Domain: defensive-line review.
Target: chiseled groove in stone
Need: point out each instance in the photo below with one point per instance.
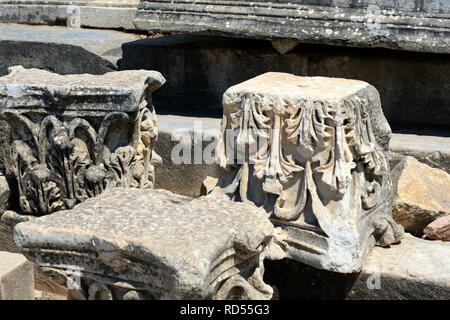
(311, 228)
(147, 275)
(229, 264)
(318, 240)
(244, 268)
(215, 278)
(303, 246)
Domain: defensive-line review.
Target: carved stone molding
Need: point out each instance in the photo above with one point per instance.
(130, 243)
(396, 24)
(74, 136)
(313, 152)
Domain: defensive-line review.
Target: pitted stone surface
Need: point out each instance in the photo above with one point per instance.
(191, 240)
(421, 194)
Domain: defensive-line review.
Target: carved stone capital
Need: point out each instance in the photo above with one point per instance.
(313, 152)
(74, 136)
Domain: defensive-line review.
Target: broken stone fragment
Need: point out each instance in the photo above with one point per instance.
(130, 243)
(421, 194)
(387, 24)
(439, 229)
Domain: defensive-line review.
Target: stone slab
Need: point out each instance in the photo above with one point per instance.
(415, 269)
(393, 24)
(16, 277)
(105, 45)
(398, 25)
(413, 86)
(431, 150)
(161, 244)
(201, 135)
(34, 88)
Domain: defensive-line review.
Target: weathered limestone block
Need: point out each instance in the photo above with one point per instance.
(439, 229)
(313, 152)
(414, 269)
(406, 24)
(75, 135)
(16, 277)
(421, 194)
(130, 243)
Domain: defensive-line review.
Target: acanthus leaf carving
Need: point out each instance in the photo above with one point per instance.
(323, 171)
(64, 162)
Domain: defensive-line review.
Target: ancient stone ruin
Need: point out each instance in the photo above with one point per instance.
(321, 172)
(74, 136)
(224, 150)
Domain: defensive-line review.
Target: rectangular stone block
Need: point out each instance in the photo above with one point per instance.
(394, 24)
(16, 277)
(413, 86)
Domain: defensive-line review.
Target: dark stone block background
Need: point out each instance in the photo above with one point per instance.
(414, 87)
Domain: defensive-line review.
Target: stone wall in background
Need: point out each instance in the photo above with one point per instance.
(396, 24)
(73, 136)
(414, 87)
